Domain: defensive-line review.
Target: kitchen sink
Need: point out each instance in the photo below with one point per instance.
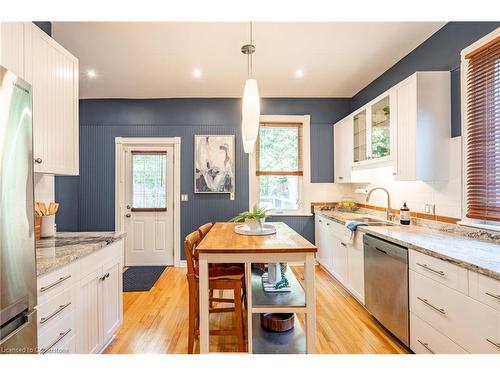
(372, 221)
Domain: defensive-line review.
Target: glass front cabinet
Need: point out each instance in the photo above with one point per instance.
(373, 132)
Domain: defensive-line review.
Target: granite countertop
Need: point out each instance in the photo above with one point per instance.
(477, 255)
(67, 247)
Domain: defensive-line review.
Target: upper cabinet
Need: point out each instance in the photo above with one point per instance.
(380, 128)
(12, 47)
(343, 145)
(424, 127)
(360, 136)
(53, 73)
(408, 127)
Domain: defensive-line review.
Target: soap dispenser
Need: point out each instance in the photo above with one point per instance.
(404, 215)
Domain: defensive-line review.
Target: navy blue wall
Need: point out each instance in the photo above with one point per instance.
(439, 52)
(89, 206)
(46, 26)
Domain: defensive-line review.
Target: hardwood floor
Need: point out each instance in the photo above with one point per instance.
(157, 321)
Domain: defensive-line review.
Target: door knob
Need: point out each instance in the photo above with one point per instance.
(128, 207)
(128, 215)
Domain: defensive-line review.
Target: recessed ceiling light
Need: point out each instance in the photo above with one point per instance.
(91, 73)
(197, 73)
(299, 73)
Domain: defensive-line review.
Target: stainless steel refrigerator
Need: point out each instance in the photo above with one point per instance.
(17, 238)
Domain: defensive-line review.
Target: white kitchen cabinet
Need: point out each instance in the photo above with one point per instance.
(343, 260)
(12, 47)
(448, 312)
(53, 74)
(423, 127)
(81, 304)
(100, 299)
(339, 260)
(89, 312)
(112, 312)
(342, 139)
(355, 268)
(324, 243)
(407, 127)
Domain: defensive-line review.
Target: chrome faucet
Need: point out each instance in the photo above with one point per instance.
(388, 211)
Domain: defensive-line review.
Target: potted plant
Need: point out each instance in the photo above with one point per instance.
(254, 219)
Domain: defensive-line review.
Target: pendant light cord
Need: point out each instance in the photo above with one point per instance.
(250, 61)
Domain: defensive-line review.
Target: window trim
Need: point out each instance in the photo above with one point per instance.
(305, 184)
(481, 43)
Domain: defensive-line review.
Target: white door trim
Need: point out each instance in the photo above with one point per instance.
(120, 186)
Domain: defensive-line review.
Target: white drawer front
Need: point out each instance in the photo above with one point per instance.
(472, 325)
(426, 340)
(54, 308)
(60, 330)
(484, 289)
(443, 272)
(54, 283)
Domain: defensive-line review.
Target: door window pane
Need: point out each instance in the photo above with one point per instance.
(279, 192)
(381, 130)
(149, 186)
(359, 134)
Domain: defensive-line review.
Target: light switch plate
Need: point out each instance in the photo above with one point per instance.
(184, 197)
(430, 209)
(231, 196)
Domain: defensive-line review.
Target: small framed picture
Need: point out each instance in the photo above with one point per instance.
(214, 164)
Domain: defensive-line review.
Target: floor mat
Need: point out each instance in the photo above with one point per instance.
(141, 278)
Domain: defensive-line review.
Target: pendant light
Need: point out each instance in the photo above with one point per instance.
(250, 113)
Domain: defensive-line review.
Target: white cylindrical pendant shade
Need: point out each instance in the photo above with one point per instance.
(250, 115)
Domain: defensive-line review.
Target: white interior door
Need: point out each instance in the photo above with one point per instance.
(149, 205)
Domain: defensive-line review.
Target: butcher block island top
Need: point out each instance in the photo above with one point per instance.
(223, 239)
(223, 245)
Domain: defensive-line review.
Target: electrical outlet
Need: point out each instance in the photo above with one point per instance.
(184, 197)
(430, 209)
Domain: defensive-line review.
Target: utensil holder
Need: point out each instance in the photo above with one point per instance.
(48, 226)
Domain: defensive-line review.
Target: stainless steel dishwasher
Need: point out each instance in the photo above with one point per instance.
(386, 285)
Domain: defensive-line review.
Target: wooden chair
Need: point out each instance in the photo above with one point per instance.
(220, 277)
(204, 229)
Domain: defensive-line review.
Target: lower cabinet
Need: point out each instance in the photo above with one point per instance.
(448, 319)
(84, 313)
(342, 259)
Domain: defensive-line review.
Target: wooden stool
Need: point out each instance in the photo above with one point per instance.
(220, 277)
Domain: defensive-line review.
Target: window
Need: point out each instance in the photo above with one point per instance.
(279, 165)
(482, 130)
(149, 185)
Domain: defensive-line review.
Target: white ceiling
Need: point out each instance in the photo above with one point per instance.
(157, 59)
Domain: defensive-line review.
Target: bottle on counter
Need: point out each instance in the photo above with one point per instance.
(404, 215)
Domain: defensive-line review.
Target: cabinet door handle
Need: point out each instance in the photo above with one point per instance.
(426, 346)
(497, 296)
(341, 178)
(104, 277)
(328, 224)
(423, 265)
(38, 161)
(45, 319)
(320, 220)
(441, 311)
(55, 342)
(493, 343)
(55, 283)
(343, 244)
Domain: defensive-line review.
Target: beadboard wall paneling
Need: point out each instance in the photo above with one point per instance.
(87, 201)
